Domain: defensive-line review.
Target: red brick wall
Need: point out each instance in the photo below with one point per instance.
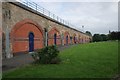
(20, 36)
(51, 37)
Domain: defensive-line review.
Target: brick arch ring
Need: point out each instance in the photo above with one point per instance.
(74, 34)
(66, 32)
(54, 28)
(23, 22)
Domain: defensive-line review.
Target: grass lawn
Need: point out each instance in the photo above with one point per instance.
(93, 60)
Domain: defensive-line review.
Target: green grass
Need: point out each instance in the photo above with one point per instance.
(93, 60)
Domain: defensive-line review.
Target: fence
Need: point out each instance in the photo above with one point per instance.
(44, 11)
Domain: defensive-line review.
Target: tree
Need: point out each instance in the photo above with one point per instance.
(104, 37)
(97, 38)
(89, 33)
(114, 36)
(118, 35)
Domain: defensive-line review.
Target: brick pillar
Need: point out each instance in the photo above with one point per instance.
(8, 46)
(0, 40)
(46, 37)
(62, 39)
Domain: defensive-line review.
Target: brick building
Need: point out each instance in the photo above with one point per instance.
(24, 30)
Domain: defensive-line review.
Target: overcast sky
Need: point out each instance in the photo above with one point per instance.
(96, 16)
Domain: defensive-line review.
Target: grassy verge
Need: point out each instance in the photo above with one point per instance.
(93, 60)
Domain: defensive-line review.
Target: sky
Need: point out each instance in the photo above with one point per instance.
(97, 16)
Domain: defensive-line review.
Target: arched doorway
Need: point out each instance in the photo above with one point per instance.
(67, 39)
(74, 39)
(3, 45)
(31, 42)
(55, 39)
(26, 35)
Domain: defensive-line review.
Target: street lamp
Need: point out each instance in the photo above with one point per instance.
(83, 28)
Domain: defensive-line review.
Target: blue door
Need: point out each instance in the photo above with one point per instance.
(74, 40)
(55, 39)
(31, 42)
(66, 39)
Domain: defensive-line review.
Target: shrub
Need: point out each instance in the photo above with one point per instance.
(47, 55)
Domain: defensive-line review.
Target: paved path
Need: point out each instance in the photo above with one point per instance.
(16, 61)
(22, 60)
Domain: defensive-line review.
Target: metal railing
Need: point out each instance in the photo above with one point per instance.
(44, 11)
